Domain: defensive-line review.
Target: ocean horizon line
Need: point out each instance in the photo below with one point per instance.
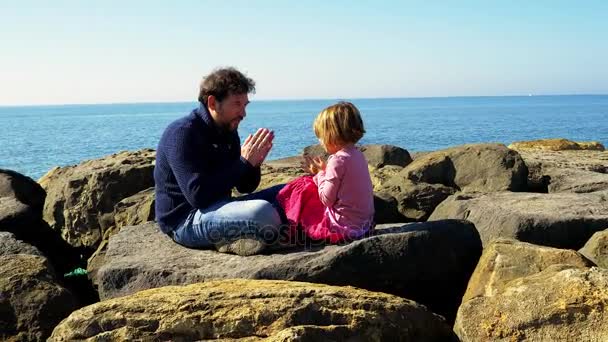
(303, 99)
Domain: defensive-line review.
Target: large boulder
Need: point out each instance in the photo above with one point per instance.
(21, 203)
(81, 199)
(315, 151)
(564, 220)
(130, 211)
(572, 180)
(561, 303)
(578, 171)
(380, 176)
(426, 262)
(474, 167)
(415, 201)
(254, 310)
(558, 144)
(9, 244)
(280, 171)
(595, 161)
(386, 209)
(504, 260)
(31, 301)
(377, 156)
(135, 209)
(432, 177)
(596, 249)
(384, 155)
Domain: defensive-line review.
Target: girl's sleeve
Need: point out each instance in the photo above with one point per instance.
(329, 181)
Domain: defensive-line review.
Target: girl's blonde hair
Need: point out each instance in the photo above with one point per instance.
(339, 124)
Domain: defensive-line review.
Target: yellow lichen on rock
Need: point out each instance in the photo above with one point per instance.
(556, 145)
(253, 310)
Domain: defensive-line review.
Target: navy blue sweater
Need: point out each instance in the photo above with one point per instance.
(197, 165)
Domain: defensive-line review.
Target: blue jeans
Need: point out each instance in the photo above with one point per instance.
(253, 215)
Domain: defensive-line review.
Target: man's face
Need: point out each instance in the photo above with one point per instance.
(231, 111)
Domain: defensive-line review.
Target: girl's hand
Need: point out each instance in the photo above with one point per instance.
(319, 164)
(312, 165)
(307, 165)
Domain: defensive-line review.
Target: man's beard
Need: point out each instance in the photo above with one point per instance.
(230, 126)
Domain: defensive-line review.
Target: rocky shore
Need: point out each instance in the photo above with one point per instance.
(479, 242)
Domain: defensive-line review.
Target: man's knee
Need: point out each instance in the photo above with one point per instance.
(264, 213)
(268, 221)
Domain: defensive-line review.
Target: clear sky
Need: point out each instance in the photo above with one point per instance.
(55, 52)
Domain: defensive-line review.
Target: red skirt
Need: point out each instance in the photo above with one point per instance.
(304, 210)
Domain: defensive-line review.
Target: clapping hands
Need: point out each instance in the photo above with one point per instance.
(256, 147)
(313, 164)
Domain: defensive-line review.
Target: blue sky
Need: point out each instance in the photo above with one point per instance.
(56, 52)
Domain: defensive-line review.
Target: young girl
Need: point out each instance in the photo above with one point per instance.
(337, 203)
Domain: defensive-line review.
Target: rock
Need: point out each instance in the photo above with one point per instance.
(474, 167)
(383, 155)
(21, 203)
(381, 176)
(10, 245)
(415, 201)
(561, 303)
(31, 301)
(419, 154)
(596, 249)
(578, 181)
(80, 199)
(567, 171)
(132, 210)
(315, 151)
(537, 180)
(386, 209)
(591, 145)
(280, 171)
(594, 161)
(135, 209)
(377, 155)
(255, 310)
(432, 177)
(504, 260)
(426, 262)
(556, 145)
(562, 220)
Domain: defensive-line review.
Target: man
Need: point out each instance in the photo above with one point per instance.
(199, 161)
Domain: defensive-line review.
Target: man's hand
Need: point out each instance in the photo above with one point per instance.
(256, 147)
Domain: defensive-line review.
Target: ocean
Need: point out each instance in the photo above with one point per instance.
(34, 139)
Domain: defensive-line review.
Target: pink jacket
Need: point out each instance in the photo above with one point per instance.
(346, 191)
(336, 204)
